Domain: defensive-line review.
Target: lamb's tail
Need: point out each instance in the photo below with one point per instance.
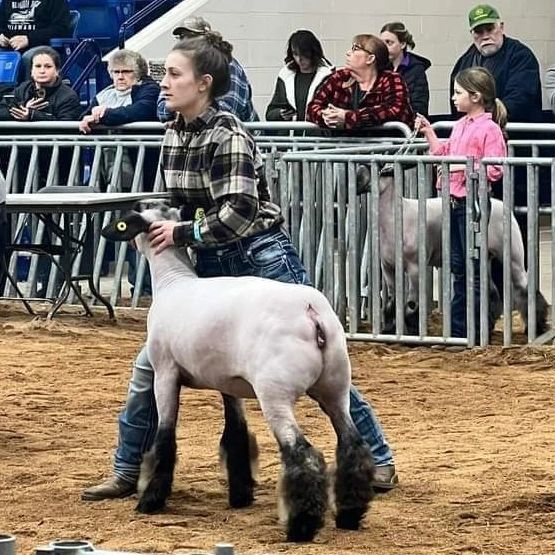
(321, 338)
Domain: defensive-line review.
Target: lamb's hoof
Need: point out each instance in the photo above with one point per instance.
(349, 519)
(241, 499)
(303, 527)
(149, 505)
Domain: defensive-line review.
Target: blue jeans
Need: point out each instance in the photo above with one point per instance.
(458, 269)
(270, 255)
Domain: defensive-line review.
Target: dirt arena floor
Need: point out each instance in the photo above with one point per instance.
(473, 433)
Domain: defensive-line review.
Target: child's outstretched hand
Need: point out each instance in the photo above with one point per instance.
(422, 124)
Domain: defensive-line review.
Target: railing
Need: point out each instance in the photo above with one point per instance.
(264, 126)
(138, 17)
(336, 231)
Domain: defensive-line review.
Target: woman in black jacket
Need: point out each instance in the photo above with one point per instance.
(410, 65)
(44, 97)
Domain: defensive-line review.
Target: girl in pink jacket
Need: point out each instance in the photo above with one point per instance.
(478, 134)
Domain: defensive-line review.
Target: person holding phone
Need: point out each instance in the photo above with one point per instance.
(305, 68)
(43, 97)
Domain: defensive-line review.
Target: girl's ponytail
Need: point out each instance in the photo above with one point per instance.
(499, 113)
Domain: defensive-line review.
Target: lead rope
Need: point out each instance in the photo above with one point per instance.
(403, 149)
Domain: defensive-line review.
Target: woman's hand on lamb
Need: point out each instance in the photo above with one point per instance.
(160, 235)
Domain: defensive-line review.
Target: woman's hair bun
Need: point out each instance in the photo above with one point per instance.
(216, 40)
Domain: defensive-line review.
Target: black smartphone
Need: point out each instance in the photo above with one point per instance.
(9, 99)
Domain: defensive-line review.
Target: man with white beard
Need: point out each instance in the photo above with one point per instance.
(513, 65)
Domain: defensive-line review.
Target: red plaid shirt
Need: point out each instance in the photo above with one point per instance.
(387, 101)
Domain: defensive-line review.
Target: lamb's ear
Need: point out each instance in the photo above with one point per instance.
(125, 228)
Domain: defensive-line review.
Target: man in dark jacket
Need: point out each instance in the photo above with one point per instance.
(513, 65)
(26, 24)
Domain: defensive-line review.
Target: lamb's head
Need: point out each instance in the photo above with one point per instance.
(135, 223)
(364, 178)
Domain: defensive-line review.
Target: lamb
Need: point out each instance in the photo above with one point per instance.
(249, 337)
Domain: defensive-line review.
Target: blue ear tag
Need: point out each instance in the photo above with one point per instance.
(121, 226)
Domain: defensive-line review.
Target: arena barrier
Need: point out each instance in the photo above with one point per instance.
(336, 230)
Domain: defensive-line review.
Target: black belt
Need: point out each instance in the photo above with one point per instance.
(457, 201)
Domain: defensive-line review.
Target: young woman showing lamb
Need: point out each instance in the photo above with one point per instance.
(214, 168)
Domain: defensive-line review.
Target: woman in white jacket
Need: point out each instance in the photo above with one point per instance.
(305, 69)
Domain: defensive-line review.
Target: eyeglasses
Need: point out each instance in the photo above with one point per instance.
(356, 47)
(121, 71)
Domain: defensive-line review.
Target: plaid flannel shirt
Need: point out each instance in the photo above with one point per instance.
(213, 164)
(237, 100)
(387, 101)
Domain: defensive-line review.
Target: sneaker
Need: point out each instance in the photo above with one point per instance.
(385, 478)
(113, 488)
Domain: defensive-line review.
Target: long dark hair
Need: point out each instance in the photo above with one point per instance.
(306, 44)
(210, 54)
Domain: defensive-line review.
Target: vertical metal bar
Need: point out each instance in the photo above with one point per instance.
(446, 250)
(376, 281)
(531, 223)
(399, 262)
(284, 193)
(422, 251)
(508, 207)
(328, 208)
(471, 250)
(484, 256)
(341, 193)
(354, 260)
(295, 188)
(308, 221)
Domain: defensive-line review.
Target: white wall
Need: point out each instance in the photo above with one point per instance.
(259, 30)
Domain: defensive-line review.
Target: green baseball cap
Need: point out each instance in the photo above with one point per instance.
(482, 14)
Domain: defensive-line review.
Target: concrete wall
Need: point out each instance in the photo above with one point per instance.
(259, 30)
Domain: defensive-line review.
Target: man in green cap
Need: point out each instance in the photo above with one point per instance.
(513, 65)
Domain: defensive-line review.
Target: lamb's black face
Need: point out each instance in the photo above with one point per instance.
(139, 220)
(126, 228)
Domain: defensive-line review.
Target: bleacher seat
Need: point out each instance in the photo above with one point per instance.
(9, 67)
(101, 19)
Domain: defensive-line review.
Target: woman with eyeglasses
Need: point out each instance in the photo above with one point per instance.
(305, 68)
(410, 65)
(362, 94)
(131, 97)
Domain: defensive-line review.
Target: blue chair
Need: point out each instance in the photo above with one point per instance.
(66, 45)
(9, 67)
(101, 20)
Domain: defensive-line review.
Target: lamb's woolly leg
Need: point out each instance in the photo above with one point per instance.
(239, 453)
(354, 471)
(303, 485)
(159, 463)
